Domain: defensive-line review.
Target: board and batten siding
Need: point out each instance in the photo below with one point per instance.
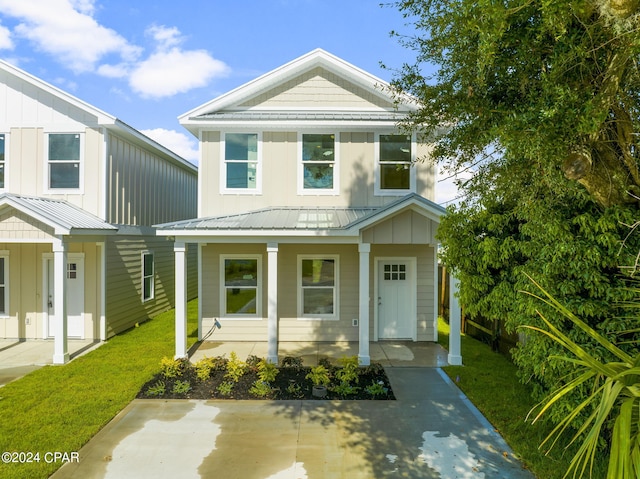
(27, 168)
(145, 189)
(280, 169)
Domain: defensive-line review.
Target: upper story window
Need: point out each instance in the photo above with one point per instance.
(63, 160)
(318, 168)
(3, 146)
(395, 173)
(241, 165)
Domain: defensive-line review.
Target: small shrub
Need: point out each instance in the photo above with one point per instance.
(181, 387)
(204, 367)
(376, 388)
(291, 362)
(261, 389)
(225, 388)
(349, 371)
(295, 389)
(345, 389)
(326, 363)
(319, 375)
(172, 368)
(158, 389)
(267, 372)
(235, 368)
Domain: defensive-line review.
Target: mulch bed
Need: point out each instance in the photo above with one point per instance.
(290, 384)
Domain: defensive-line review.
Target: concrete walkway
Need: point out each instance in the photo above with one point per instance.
(430, 431)
(18, 358)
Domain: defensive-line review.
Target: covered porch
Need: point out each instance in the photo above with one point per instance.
(370, 246)
(51, 272)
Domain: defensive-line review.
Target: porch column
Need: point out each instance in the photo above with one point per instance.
(60, 343)
(200, 246)
(455, 315)
(364, 357)
(272, 301)
(180, 250)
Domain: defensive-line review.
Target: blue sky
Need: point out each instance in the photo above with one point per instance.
(147, 62)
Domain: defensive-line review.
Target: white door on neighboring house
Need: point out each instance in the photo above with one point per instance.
(75, 296)
(396, 299)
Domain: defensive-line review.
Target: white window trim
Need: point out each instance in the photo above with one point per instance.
(336, 166)
(336, 288)
(6, 159)
(223, 289)
(4, 254)
(143, 277)
(377, 189)
(223, 167)
(54, 191)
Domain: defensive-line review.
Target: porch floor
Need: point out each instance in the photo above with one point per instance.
(387, 353)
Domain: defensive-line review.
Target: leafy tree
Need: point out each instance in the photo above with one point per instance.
(551, 84)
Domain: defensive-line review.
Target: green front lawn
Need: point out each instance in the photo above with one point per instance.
(59, 408)
(490, 381)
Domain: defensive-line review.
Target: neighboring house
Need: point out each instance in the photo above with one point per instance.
(316, 219)
(79, 193)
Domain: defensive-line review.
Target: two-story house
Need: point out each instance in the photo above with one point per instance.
(316, 219)
(79, 193)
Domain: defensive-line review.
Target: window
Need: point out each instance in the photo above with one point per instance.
(241, 286)
(2, 159)
(395, 272)
(241, 162)
(64, 160)
(148, 277)
(395, 172)
(318, 287)
(4, 283)
(319, 159)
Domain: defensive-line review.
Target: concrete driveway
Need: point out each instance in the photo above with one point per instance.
(430, 431)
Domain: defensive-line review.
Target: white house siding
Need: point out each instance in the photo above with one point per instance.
(27, 169)
(26, 316)
(145, 189)
(356, 175)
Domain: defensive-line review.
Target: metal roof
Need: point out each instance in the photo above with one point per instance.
(62, 216)
(302, 218)
(389, 116)
(277, 218)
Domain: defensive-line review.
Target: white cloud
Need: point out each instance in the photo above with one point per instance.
(66, 29)
(180, 143)
(171, 70)
(5, 38)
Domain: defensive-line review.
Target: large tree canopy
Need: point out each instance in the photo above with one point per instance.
(554, 84)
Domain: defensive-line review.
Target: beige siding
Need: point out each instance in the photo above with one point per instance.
(145, 189)
(425, 284)
(280, 173)
(17, 225)
(27, 168)
(407, 227)
(26, 308)
(318, 87)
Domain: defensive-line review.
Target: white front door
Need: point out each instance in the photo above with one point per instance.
(75, 296)
(396, 299)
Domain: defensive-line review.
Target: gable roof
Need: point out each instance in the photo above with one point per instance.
(63, 217)
(305, 221)
(98, 116)
(235, 105)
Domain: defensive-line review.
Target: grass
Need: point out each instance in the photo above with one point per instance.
(490, 381)
(59, 408)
